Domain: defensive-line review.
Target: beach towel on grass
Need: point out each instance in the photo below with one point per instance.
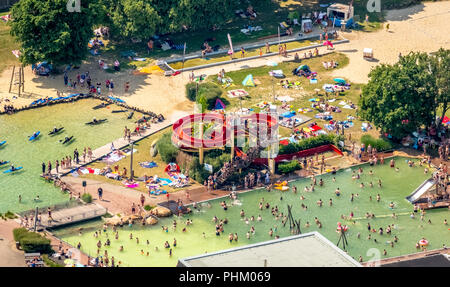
(237, 93)
(165, 180)
(113, 157)
(147, 164)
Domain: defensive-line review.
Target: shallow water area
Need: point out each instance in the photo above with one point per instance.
(16, 129)
(395, 187)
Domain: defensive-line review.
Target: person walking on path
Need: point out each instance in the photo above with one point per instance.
(66, 79)
(100, 193)
(142, 198)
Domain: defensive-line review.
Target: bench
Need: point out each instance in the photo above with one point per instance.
(30, 256)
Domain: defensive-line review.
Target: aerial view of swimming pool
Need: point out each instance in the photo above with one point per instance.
(395, 187)
(18, 150)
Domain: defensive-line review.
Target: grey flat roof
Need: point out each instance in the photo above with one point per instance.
(304, 250)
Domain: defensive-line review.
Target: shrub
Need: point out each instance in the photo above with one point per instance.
(208, 92)
(191, 91)
(19, 232)
(49, 262)
(148, 207)
(293, 15)
(86, 197)
(309, 143)
(197, 171)
(32, 242)
(166, 148)
(211, 92)
(289, 167)
(380, 144)
(203, 103)
(10, 215)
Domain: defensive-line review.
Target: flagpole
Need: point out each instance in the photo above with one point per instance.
(279, 37)
(184, 54)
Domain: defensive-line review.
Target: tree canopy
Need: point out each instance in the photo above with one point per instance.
(145, 18)
(47, 31)
(400, 98)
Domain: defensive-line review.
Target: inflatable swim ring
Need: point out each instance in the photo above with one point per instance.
(282, 188)
(423, 242)
(341, 227)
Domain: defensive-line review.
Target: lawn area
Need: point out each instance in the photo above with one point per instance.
(142, 154)
(7, 44)
(263, 91)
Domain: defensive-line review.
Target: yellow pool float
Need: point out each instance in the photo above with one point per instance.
(281, 186)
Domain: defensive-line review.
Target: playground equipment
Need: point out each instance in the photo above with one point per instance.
(200, 132)
(17, 79)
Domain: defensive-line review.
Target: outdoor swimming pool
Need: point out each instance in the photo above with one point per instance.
(16, 129)
(396, 186)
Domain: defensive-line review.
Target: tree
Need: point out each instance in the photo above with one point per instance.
(400, 98)
(440, 68)
(135, 18)
(47, 31)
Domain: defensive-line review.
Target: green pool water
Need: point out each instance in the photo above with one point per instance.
(396, 186)
(16, 129)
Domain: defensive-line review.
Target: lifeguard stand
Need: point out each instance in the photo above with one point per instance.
(17, 80)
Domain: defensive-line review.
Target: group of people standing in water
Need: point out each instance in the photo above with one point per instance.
(68, 162)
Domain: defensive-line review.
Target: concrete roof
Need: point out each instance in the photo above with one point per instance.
(304, 250)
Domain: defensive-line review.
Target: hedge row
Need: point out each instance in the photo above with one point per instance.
(289, 167)
(380, 144)
(310, 143)
(32, 242)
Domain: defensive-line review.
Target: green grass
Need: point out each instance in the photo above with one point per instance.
(49, 262)
(263, 91)
(7, 44)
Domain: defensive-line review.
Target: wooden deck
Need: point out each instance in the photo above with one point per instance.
(72, 215)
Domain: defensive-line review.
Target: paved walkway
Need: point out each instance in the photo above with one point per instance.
(118, 199)
(118, 144)
(9, 255)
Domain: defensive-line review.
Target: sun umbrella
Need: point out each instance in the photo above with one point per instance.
(340, 81)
